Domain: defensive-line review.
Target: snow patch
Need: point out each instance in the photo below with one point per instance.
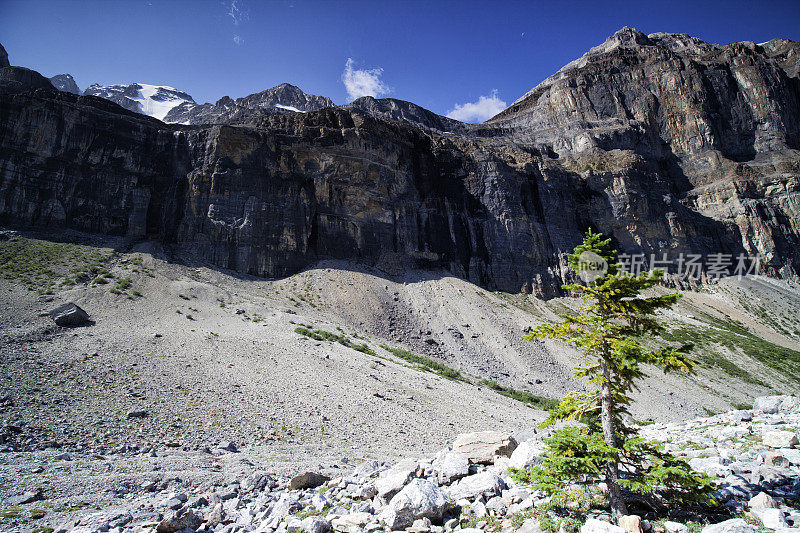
(289, 108)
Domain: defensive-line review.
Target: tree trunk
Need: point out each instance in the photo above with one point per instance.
(618, 507)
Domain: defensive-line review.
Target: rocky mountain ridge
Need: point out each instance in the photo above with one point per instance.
(669, 144)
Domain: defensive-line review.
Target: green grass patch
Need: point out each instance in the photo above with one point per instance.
(427, 364)
(735, 337)
(44, 266)
(539, 402)
(11, 512)
(327, 336)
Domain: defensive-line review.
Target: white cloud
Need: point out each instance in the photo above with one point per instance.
(485, 108)
(237, 39)
(236, 11)
(366, 82)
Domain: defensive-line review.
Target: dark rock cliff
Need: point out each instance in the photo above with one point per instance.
(667, 143)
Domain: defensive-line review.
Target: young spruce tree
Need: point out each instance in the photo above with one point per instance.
(610, 329)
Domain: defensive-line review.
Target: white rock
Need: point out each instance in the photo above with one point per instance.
(478, 509)
(715, 466)
(675, 527)
(593, 525)
(351, 523)
(451, 466)
(531, 525)
(768, 404)
(780, 439)
(762, 501)
(527, 454)
(790, 404)
(631, 523)
(419, 499)
(282, 508)
(481, 447)
(320, 502)
(315, 524)
(393, 480)
(735, 525)
(771, 518)
(486, 483)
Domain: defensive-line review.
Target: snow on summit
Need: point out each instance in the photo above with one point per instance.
(152, 100)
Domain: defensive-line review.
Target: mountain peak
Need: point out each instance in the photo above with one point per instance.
(66, 83)
(4, 57)
(153, 100)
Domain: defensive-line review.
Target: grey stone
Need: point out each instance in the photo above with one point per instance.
(675, 527)
(393, 480)
(780, 439)
(315, 524)
(593, 525)
(307, 480)
(285, 505)
(451, 466)
(771, 518)
(69, 315)
(487, 484)
(174, 522)
(735, 525)
(768, 404)
(26, 497)
(419, 499)
(527, 454)
(483, 446)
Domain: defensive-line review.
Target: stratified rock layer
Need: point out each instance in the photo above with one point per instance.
(669, 144)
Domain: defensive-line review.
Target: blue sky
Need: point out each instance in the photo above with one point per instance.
(437, 54)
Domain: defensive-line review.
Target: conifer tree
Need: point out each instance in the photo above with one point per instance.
(611, 329)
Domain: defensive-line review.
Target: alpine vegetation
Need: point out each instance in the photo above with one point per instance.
(613, 330)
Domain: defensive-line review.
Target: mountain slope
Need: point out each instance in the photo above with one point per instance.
(152, 100)
(282, 98)
(65, 82)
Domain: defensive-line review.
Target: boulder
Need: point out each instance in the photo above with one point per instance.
(780, 439)
(631, 523)
(762, 501)
(768, 404)
(351, 523)
(714, 466)
(285, 505)
(771, 518)
(527, 454)
(175, 522)
(451, 466)
(482, 447)
(735, 525)
(215, 516)
(69, 315)
(315, 524)
(419, 499)
(776, 459)
(675, 527)
(593, 525)
(26, 497)
(307, 480)
(393, 480)
(486, 484)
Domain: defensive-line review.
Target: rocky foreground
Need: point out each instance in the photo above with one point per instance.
(753, 453)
